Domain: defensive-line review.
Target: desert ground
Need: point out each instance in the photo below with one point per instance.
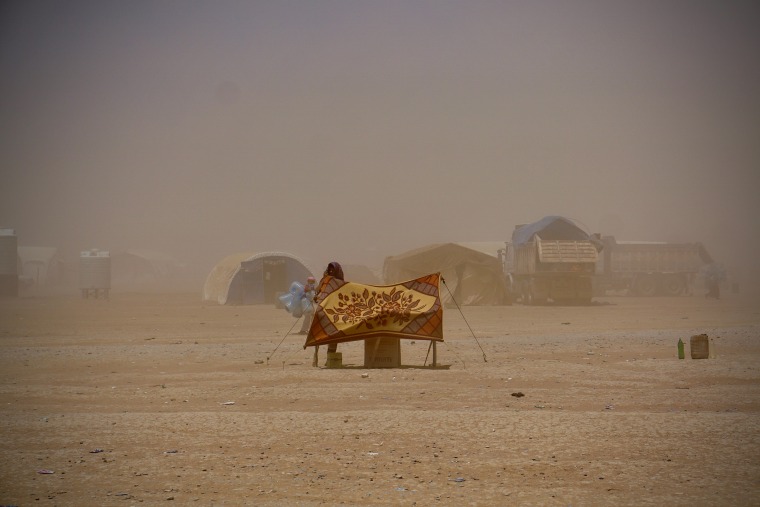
(165, 399)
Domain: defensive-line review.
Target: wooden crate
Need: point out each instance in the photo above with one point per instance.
(382, 353)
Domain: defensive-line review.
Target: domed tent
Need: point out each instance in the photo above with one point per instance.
(253, 278)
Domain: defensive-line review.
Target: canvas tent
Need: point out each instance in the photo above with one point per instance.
(137, 267)
(40, 265)
(472, 273)
(253, 278)
(360, 274)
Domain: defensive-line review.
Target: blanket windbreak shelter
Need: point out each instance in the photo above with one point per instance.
(348, 311)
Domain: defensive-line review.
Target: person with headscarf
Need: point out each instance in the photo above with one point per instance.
(334, 270)
(714, 274)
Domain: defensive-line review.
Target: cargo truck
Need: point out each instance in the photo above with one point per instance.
(552, 259)
(643, 268)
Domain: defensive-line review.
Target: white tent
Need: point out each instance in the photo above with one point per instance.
(248, 278)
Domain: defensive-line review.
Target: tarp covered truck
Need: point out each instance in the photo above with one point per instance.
(644, 268)
(552, 259)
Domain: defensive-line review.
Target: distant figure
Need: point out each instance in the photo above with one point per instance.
(713, 276)
(307, 303)
(334, 270)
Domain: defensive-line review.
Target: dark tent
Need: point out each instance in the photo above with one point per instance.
(549, 228)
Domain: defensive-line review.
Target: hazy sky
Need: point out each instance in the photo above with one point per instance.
(351, 130)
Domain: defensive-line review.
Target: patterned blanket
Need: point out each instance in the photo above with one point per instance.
(349, 311)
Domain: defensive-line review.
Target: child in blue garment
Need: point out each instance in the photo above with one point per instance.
(307, 304)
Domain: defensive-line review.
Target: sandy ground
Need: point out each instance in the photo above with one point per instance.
(160, 398)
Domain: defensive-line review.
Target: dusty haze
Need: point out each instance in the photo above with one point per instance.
(354, 130)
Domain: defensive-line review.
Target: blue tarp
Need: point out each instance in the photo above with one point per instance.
(552, 228)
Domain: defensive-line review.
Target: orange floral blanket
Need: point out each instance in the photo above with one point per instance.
(348, 311)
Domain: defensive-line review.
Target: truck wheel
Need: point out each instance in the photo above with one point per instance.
(673, 285)
(535, 297)
(533, 300)
(523, 289)
(646, 285)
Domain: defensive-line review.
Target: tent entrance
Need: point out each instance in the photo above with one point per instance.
(275, 278)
